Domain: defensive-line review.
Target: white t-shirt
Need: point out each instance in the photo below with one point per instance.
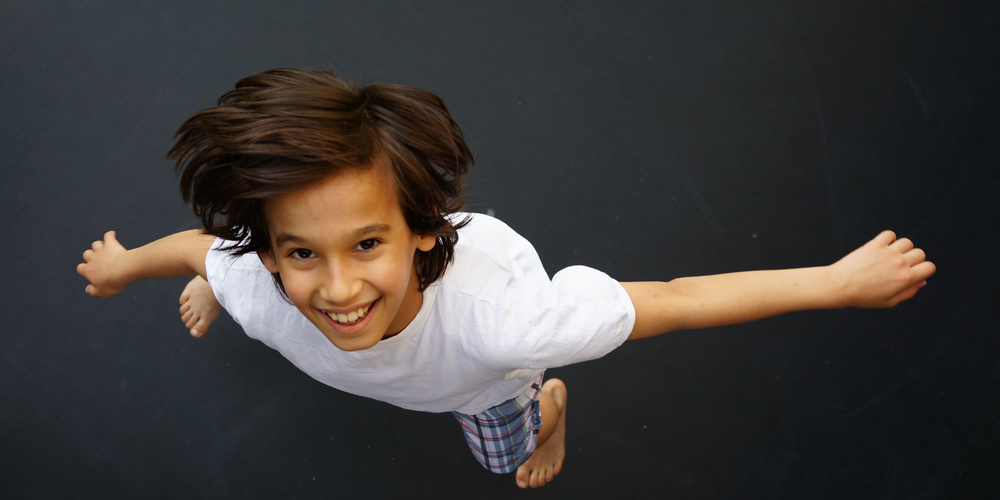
(484, 332)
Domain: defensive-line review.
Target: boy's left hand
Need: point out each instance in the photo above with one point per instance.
(883, 272)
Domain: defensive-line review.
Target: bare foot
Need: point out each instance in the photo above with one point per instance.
(547, 460)
(199, 307)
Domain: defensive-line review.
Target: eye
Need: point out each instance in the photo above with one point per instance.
(366, 245)
(301, 253)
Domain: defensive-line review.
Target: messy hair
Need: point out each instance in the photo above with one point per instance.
(284, 130)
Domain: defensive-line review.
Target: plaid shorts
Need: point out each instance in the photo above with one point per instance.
(504, 437)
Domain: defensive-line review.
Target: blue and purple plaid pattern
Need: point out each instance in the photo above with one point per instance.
(504, 437)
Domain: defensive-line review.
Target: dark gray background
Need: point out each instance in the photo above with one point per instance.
(648, 139)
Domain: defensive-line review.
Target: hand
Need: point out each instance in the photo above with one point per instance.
(883, 272)
(103, 267)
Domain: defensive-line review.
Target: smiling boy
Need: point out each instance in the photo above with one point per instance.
(345, 257)
(333, 233)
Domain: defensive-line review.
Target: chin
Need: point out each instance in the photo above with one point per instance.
(351, 344)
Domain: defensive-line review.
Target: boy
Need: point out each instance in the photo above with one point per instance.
(332, 233)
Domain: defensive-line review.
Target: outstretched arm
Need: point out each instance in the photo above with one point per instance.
(882, 273)
(110, 267)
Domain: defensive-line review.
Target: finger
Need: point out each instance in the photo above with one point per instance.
(914, 256)
(97, 245)
(923, 270)
(885, 237)
(902, 245)
(906, 294)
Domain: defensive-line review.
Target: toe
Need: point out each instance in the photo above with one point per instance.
(202, 326)
(521, 477)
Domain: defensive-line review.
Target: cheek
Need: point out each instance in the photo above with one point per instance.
(394, 277)
(297, 289)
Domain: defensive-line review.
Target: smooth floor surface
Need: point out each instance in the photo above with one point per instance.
(650, 140)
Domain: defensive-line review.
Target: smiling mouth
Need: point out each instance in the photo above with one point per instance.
(351, 317)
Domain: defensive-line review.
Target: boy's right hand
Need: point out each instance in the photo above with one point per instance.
(103, 267)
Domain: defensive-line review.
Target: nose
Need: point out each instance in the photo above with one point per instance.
(341, 283)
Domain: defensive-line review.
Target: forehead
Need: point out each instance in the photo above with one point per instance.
(340, 203)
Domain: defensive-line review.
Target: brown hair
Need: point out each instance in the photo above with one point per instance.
(282, 130)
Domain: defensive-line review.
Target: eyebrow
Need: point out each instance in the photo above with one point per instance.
(284, 238)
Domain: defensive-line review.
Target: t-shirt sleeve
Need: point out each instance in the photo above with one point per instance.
(583, 314)
(532, 322)
(217, 262)
(239, 282)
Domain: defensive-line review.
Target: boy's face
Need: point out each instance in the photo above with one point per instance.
(345, 256)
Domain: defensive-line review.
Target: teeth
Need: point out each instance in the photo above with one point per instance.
(351, 317)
